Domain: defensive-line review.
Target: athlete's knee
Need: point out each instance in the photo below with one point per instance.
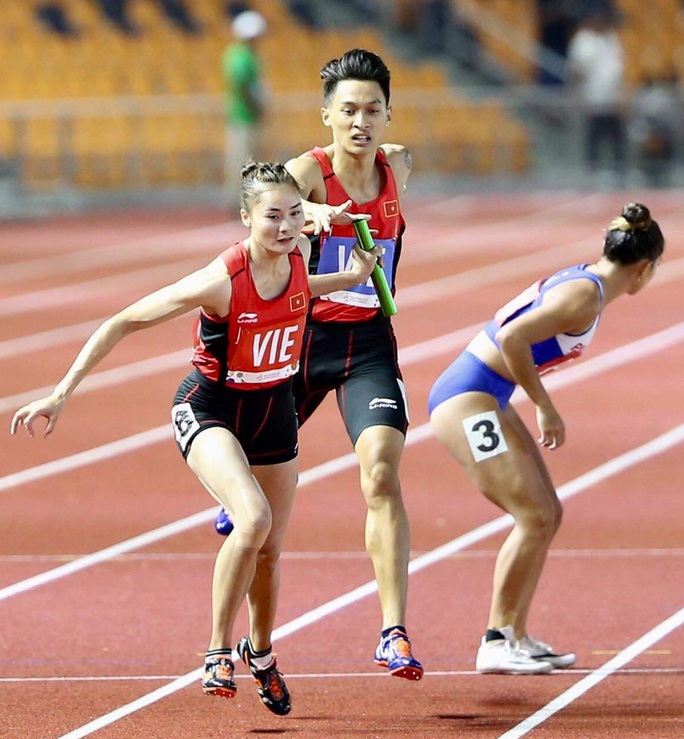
(253, 527)
(540, 522)
(381, 483)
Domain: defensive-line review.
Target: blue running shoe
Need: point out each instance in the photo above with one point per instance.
(394, 653)
(223, 524)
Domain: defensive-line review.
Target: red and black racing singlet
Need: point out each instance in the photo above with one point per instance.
(257, 345)
(333, 252)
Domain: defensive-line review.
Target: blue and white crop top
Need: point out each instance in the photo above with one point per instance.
(548, 354)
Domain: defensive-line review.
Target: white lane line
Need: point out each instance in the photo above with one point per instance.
(354, 554)
(89, 456)
(414, 295)
(413, 354)
(77, 292)
(663, 671)
(189, 240)
(419, 352)
(163, 532)
(43, 340)
(594, 678)
(108, 378)
(612, 467)
(186, 242)
(604, 471)
(492, 273)
(348, 461)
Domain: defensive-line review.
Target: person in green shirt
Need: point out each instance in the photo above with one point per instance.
(241, 71)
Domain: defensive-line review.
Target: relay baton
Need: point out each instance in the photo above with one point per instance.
(382, 289)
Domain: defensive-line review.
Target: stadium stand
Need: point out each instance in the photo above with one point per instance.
(140, 105)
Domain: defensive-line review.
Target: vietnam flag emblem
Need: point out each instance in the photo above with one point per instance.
(391, 208)
(297, 302)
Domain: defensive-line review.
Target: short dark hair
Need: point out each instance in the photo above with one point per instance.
(633, 236)
(357, 64)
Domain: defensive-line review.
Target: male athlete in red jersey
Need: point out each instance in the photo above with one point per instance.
(349, 346)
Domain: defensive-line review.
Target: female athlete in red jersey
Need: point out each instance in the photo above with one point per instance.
(234, 416)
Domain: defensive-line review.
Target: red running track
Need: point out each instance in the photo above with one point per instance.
(106, 539)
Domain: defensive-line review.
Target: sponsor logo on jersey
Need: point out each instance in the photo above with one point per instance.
(247, 318)
(382, 403)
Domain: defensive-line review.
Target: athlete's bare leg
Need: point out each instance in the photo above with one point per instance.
(517, 481)
(278, 482)
(217, 459)
(379, 450)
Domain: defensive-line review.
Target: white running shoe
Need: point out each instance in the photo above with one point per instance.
(538, 650)
(505, 657)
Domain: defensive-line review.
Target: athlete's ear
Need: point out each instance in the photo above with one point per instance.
(325, 116)
(244, 217)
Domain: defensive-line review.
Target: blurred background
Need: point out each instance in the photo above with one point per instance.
(123, 101)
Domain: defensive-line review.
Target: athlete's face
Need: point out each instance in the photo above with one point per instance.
(357, 114)
(276, 219)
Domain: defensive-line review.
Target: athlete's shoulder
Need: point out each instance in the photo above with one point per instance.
(399, 158)
(306, 169)
(304, 246)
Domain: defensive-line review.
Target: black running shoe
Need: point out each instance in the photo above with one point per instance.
(270, 684)
(218, 678)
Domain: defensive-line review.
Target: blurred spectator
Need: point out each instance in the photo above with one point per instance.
(52, 15)
(235, 7)
(439, 26)
(557, 22)
(656, 128)
(595, 66)
(304, 12)
(179, 15)
(116, 12)
(242, 75)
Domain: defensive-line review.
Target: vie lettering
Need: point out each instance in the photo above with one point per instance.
(276, 343)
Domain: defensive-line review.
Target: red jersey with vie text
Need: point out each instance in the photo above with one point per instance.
(257, 345)
(332, 252)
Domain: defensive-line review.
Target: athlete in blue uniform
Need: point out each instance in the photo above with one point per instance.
(549, 323)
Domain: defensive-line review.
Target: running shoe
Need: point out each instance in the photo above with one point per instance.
(270, 683)
(394, 653)
(540, 651)
(506, 657)
(223, 524)
(218, 678)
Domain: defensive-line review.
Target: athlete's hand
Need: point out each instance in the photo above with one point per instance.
(551, 427)
(321, 216)
(48, 408)
(363, 262)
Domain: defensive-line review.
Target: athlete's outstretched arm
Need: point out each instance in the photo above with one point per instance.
(209, 287)
(320, 216)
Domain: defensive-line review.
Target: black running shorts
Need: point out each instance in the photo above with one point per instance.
(263, 421)
(359, 362)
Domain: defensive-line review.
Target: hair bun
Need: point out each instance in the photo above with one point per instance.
(637, 216)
